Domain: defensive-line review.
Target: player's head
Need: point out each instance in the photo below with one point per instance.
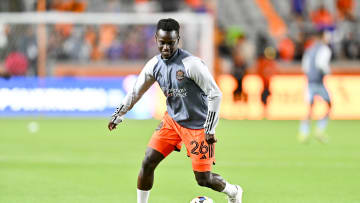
(323, 35)
(167, 37)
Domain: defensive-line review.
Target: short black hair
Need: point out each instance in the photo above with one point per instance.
(168, 24)
(320, 32)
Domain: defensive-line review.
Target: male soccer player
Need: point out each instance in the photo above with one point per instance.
(315, 64)
(193, 101)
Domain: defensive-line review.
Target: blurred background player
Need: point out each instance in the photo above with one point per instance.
(243, 55)
(315, 64)
(265, 66)
(193, 102)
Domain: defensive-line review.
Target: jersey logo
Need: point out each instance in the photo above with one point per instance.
(180, 75)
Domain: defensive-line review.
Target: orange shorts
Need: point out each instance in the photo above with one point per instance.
(169, 136)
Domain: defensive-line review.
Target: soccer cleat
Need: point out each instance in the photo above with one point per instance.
(238, 197)
(321, 136)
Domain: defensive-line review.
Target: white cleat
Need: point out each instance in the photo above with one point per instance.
(238, 197)
(321, 136)
(303, 138)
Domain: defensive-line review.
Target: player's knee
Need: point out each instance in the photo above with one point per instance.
(204, 182)
(148, 164)
(329, 103)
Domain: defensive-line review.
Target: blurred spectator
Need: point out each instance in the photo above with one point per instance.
(266, 65)
(115, 50)
(69, 5)
(55, 45)
(266, 68)
(201, 6)
(74, 46)
(91, 38)
(169, 5)
(262, 42)
(107, 35)
(16, 63)
(150, 48)
(223, 45)
(132, 48)
(345, 9)
(28, 46)
(145, 6)
(102, 42)
(351, 46)
(243, 56)
(299, 7)
(18, 49)
(111, 6)
(4, 73)
(12, 6)
(286, 49)
(322, 18)
(298, 29)
(4, 30)
(223, 53)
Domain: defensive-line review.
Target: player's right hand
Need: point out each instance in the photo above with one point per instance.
(111, 126)
(116, 118)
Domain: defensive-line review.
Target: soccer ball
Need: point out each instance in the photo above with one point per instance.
(202, 199)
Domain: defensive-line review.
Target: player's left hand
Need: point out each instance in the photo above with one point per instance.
(210, 138)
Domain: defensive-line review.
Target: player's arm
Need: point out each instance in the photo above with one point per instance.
(305, 63)
(323, 59)
(201, 75)
(142, 84)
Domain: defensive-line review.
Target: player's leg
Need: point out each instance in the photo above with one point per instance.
(162, 143)
(210, 180)
(202, 157)
(217, 183)
(321, 126)
(146, 175)
(323, 122)
(305, 125)
(323, 93)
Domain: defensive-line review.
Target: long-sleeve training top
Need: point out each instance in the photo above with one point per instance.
(316, 62)
(192, 96)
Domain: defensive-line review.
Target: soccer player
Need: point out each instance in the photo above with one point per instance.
(315, 64)
(193, 101)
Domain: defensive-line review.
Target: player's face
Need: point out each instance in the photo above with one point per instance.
(167, 42)
(327, 37)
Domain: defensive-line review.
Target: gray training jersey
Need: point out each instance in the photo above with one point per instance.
(316, 62)
(192, 96)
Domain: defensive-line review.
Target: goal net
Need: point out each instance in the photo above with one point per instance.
(40, 42)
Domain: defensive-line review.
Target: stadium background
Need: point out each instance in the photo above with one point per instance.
(65, 67)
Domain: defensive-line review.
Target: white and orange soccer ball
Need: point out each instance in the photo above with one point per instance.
(202, 199)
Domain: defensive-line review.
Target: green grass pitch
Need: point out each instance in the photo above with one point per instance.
(80, 161)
